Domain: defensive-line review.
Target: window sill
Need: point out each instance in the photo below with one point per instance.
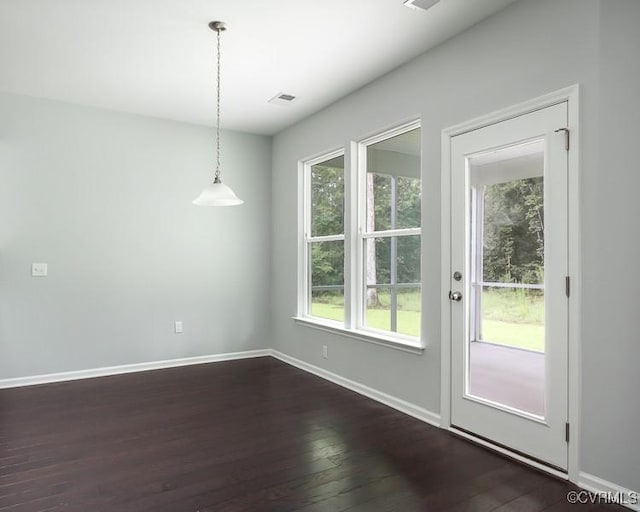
(398, 343)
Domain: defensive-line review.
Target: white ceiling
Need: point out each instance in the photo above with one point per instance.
(156, 57)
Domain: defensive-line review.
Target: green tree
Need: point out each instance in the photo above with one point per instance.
(327, 218)
(408, 200)
(513, 242)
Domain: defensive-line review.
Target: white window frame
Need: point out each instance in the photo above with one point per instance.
(304, 273)
(363, 234)
(355, 175)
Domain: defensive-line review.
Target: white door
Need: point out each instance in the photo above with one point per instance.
(509, 299)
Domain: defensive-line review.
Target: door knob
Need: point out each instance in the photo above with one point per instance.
(455, 296)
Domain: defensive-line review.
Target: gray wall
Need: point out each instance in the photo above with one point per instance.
(529, 49)
(611, 244)
(105, 199)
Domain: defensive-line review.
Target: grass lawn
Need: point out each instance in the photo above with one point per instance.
(513, 334)
(510, 317)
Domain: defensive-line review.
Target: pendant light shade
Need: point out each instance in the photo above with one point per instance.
(217, 194)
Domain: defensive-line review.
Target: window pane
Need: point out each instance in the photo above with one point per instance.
(390, 304)
(327, 279)
(377, 261)
(393, 183)
(327, 197)
(409, 195)
(409, 302)
(408, 251)
(378, 202)
(378, 309)
(328, 304)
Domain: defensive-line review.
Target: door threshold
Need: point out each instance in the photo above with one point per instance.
(512, 454)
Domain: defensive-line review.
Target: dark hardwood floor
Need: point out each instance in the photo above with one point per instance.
(252, 435)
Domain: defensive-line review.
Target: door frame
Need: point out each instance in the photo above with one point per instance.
(572, 96)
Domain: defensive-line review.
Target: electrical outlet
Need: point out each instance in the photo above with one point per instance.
(39, 269)
(325, 351)
(178, 327)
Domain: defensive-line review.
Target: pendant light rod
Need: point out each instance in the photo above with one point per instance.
(217, 27)
(217, 194)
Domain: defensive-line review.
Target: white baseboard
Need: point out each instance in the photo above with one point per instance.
(604, 488)
(128, 368)
(396, 403)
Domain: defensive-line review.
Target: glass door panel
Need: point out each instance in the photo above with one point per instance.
(506, 345)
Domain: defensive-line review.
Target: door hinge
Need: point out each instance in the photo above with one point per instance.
(567, 285)
(567, 137)
(566, 432)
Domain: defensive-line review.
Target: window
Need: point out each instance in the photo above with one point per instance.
(324, 239)
(391, 233)
(376, 291)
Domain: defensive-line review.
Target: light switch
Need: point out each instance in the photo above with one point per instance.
(178, 327)
(39, 269)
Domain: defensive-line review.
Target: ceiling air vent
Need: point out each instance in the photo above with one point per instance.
(282, 99)
(423, 5)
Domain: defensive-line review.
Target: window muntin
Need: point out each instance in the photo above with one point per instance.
(324, 239)
(392, 296)
(327, 279)
(391, 234)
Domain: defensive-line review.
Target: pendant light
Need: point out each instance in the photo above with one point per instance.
(217, 194)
